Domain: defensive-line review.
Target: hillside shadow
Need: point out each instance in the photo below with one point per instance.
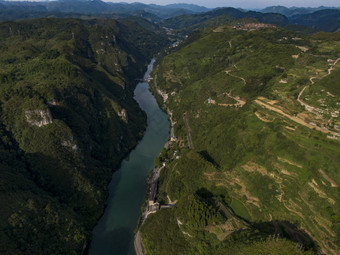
(205, 155)
(285, 229)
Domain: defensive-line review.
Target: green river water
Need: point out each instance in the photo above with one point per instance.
(114, 232)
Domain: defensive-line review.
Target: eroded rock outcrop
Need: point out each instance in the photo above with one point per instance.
(123, 115)
(38, 117)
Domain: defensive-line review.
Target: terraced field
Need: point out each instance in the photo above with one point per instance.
(264, 119)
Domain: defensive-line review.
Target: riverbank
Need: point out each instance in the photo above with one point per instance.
(151, 205)
(114, 233)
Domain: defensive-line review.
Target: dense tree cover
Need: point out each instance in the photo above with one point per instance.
(196, 213)
(262, 173)
(67, 117)
(163, 234)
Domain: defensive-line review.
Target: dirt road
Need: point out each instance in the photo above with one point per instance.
(238, 77)
(311, 79)
(138, 244)
(295, 119)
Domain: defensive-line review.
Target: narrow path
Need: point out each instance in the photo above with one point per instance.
(308, 107)
(240, 102)
(151, 195)
(185, 118)
(138, 244)
(311, 79)
(169, 200)
(238, 77)
(331, 68)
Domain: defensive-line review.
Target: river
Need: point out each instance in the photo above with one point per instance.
(114, 232)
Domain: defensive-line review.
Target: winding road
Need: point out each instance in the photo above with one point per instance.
(308, 107)
(293, 118)
(238, 77)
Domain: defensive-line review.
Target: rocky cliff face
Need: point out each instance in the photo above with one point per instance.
(67, 117)
(39, 117)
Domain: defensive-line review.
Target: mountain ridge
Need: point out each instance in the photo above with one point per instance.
(67, 118)
(291, 11)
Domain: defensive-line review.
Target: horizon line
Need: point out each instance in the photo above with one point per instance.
(196, 4)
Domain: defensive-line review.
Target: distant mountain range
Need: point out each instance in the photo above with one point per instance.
(177, 16)
(252, 166)
(100, 7)
(325, 20)
(187, 23)
(292, 11)
(320, 18)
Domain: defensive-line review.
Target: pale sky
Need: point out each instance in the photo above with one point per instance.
(247, 4)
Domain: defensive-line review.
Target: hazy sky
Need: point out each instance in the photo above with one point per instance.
(237, 3)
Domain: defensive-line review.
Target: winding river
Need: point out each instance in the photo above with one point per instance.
(114, 233)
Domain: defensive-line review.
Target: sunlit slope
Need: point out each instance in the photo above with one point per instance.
(262, 109)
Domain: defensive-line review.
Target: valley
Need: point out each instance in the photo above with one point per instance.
(250, 104)
(115, 231)
(67, 119)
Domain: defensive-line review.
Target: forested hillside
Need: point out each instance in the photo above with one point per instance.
(183, 17)
(12, 10)
(253, 163)
(252, 166)
(67, 117)
(187, 23)
(324, 20)
(293, 11)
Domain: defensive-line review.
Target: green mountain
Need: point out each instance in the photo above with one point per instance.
(67, 117)
(292, 11)
(325, 20)
(321, 18)
(253, 163)
(20, 10)
(186, 17)
(190, 7)
(78, 6)
(188, 23)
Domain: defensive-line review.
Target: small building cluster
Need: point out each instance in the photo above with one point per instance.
(211, 101)
(252, 26)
